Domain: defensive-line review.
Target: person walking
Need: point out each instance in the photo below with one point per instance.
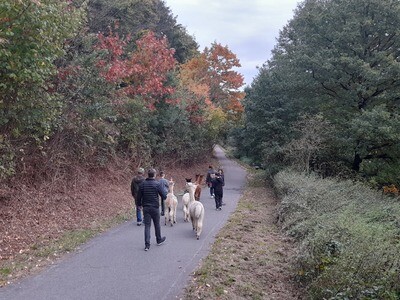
(164, 182)
(148, 198)
(136, 181)
(210, 172)
(217, 182)
(221, 173)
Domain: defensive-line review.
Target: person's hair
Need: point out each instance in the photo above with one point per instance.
(151, 173)
(140, 171)
(220, 171)
(210, 166)
(162, 173)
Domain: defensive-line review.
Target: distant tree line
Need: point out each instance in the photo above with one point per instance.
(84, 84)
(328, 99)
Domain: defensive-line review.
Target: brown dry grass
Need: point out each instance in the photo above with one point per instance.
(250, 258)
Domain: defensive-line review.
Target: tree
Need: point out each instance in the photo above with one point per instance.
(213, 83)
(193, 76)
(312, 135)
(145, 72)
(33, 34)
(345, 57)
(223, 80)
(338, 58)
(135, 16)
(269, 115)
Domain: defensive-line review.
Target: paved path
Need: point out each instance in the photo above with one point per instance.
(115, 266)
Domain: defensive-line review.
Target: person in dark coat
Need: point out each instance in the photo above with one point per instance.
(148, 198)
(136, 181)
(217, 181)
(164, 182)
(210, 172)
(221, 173)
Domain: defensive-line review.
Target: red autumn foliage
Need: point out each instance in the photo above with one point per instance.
(144, 72)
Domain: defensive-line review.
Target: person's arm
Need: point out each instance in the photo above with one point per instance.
(139, 198)
(163, 194)
(133, 188)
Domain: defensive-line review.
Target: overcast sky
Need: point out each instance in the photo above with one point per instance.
(249, 28)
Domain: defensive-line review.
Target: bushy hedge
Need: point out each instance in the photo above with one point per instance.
(348, 234)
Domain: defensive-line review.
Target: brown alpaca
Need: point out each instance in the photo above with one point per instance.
(197, 192)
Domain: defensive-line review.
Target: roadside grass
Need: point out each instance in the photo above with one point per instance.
(250, 258)
(348, 235)
(47, 252)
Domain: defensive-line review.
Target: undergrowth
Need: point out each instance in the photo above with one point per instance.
(349, 236)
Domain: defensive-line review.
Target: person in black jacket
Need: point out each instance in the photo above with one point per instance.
(218, 182)
(210, 173)
(148, 199)
(136, 181)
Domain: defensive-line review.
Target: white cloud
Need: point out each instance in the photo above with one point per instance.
(248, 28)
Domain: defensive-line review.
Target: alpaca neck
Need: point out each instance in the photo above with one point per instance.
(191, 194)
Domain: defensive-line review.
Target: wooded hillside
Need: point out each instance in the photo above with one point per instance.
(84, 83)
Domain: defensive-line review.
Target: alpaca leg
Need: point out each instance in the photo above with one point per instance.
(193, 224)
(187, 216)
(199, 228)
(174, 219)
(200, 224)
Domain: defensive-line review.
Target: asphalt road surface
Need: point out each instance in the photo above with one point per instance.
(114, 265)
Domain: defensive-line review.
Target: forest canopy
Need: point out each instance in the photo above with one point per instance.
(328, 99)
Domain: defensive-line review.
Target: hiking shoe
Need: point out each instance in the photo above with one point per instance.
(219, 208)
(139, 224)
(161, 241)
(147, 248)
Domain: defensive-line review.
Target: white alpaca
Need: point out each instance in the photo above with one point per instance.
(196, 210)
(171, 204)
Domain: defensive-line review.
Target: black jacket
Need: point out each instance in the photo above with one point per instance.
(218, 182)
(148, 193)
(208, 177)
(136, 181)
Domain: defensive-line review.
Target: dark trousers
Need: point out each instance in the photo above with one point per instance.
(211, 191)
(218, 199)
(151, 213)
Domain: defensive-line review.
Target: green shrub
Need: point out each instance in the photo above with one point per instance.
(348, 234)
